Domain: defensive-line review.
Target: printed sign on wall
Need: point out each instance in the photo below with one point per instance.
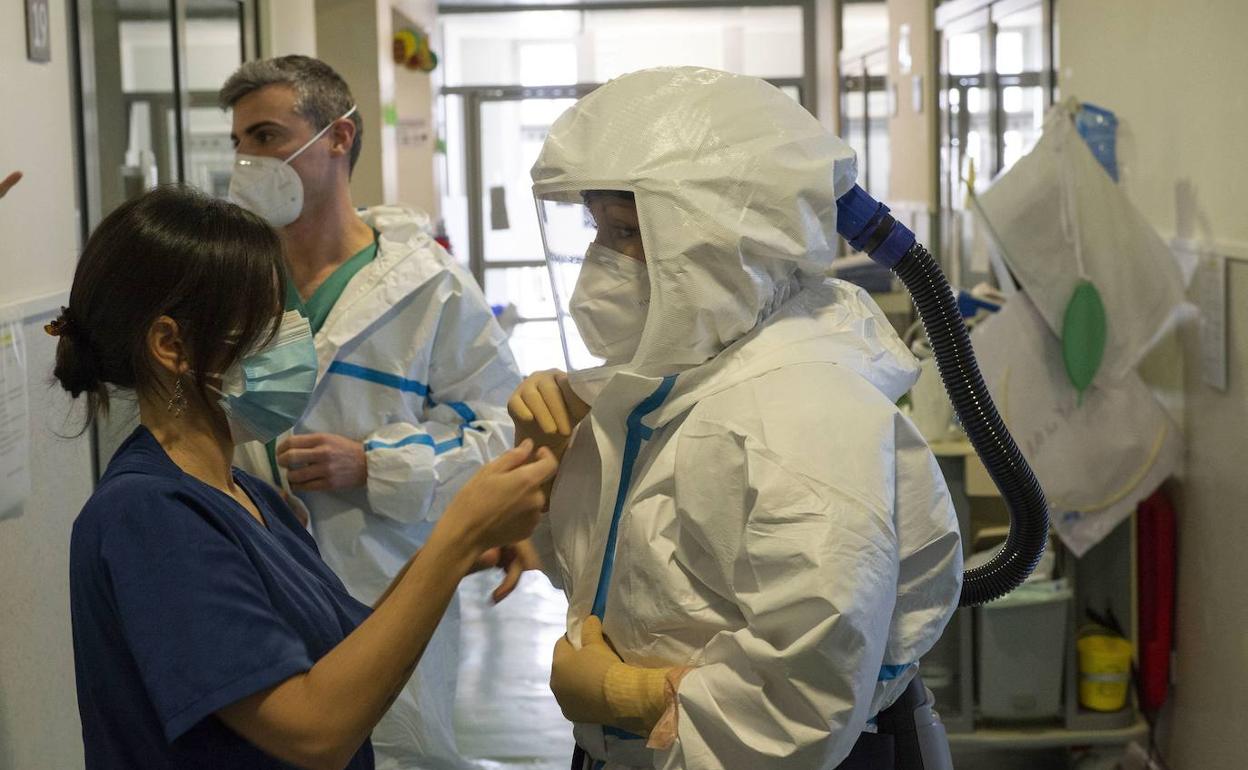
(38, 31)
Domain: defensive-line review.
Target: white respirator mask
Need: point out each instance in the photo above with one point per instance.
(610, 302)
(269, 187)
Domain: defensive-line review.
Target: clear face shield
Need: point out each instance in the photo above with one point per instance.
(598, 275)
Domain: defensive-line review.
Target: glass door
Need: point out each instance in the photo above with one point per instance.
(149, 74)
(504, 243)
(968, 139)
(864, 117)
(129, 88)
(150, 70)
(215, 42)
(1022, 79)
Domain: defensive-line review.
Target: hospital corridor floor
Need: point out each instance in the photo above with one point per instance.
(505, 715)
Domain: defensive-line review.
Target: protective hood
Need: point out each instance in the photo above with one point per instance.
(735, 185)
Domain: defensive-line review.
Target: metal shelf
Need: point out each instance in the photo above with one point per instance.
(1053, 736)
(1104, 579)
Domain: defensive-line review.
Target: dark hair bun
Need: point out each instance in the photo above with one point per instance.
(213, 268)
(76, 368)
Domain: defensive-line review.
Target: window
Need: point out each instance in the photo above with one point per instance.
(865, 112)
(995, 86)
(865, 101)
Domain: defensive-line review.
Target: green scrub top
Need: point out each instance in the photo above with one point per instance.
(317, 308)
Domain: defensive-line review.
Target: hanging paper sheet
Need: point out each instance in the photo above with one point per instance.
(14, 420)
(1095, 460)
(1060, 221)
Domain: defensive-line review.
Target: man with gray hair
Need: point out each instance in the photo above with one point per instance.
(413, 371)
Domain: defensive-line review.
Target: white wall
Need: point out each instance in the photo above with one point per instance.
(287, 27)
(38, 247)
(913, 138)
(353, 37)
(1173, 72)
(414, 104)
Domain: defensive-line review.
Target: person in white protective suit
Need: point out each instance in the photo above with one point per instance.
(413, 369)
(767, 540)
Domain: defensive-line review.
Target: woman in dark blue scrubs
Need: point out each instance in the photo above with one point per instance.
(208, 632)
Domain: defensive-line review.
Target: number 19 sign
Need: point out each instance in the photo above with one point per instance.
(38, 32)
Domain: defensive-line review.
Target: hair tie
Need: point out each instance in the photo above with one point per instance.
(62, 325)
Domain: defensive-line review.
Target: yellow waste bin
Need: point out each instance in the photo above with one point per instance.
(1104, 671)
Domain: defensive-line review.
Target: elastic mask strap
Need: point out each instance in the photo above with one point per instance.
(320, 133)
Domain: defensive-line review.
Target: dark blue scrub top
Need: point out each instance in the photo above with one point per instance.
(183, 603)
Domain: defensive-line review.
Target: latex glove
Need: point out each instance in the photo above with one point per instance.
(545, 409)
(594, 686)
(318, 462)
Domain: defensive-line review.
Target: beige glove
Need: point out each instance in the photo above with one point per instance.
(545, 409)
(594, 686)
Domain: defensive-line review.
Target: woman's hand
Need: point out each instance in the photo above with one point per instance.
(545, 410)
(501, 504)
(9, 181)
(514, 560)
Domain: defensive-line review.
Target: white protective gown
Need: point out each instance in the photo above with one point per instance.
(413, 364)
(778, 525)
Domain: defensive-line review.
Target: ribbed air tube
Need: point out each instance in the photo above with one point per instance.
(951, 346)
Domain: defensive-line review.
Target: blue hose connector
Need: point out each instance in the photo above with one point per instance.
(858, 219)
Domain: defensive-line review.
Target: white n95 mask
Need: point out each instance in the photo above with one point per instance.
(269, 187)
(610, 302)
(266, 392)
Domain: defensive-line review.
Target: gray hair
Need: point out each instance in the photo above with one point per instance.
(321, 95)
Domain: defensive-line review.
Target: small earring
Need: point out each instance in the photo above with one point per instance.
(177, 404)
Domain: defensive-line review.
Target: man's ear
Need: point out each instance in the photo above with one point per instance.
(342, 137)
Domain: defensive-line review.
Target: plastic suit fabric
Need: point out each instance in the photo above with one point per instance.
(779, 525)
(1097, 456)
(1060, 219)
(413, 364)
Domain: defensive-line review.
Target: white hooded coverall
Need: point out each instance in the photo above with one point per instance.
(744, 491)
(413, 364)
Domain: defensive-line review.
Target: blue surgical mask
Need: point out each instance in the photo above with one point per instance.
(266, 392)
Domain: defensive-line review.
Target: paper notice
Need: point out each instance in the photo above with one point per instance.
(14, 420)
(1212, 299)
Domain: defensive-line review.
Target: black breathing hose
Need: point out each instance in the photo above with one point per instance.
(866, 224)
(951, 346)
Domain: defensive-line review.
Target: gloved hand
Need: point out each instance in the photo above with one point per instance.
(545, 410)
(594, 686)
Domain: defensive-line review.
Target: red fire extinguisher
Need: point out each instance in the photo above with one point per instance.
(1156, 535)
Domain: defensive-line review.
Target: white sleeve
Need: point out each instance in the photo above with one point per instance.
(415, 468)
(929, 581)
